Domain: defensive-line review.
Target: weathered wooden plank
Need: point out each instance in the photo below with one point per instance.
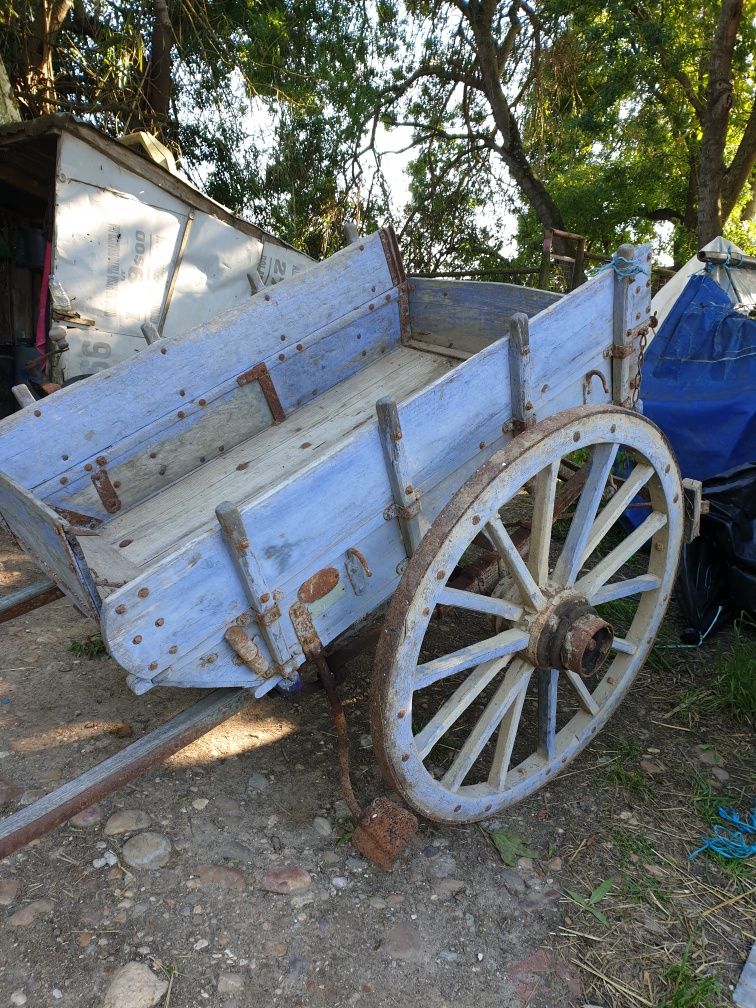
(521, 374)
(407, 497)
(276, 454)
(42, 533)
(632, 307)
(469, 316)
(90, 417)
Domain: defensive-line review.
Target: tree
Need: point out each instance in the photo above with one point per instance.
(262, 102)
(609, 119)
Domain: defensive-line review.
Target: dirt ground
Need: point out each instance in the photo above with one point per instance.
(450, 925)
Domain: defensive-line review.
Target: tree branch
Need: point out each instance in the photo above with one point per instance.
(741, 166)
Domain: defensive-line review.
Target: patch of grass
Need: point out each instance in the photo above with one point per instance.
(627, 843)
(735, 682)
(687, 989)
(707, 802)
(625, 772)
(89, 647)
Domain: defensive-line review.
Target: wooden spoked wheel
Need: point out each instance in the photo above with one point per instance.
(462, 732)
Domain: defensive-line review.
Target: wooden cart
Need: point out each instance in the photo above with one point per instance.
(354, 444)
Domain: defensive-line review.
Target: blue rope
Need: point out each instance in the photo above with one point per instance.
(728, 265)
(731, 843)
(622, 267)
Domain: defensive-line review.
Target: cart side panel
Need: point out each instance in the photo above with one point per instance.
(84, 420)
(306, 524)
(200, 430)
(42, 534)
(469, 315)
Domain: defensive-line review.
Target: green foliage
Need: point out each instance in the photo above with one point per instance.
(589, 902)
(510, 846)
(735, 681)
(90, 647)
(687, 989)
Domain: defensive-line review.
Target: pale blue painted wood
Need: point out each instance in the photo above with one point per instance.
(173, 631)
(43, 534)
(448, 309)
(90, 417)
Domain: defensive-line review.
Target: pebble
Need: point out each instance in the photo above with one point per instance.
(322, 826)
(29, 797)
(200, 804)
(28, 914)
(8, 791)
(230, 983)
(108, 858)
(147, 850)
(339, 882)
(57, 993)
(127, 821)
(709, 757)
(366, 741)
(513, 881)
(257, 782)
(446, 888)
(287, 879)
(394, 899)
(405, 943)
(18, 998)
(232, 850)
(134, 986)
(720, 774)
(448, 955)
(356, 864)
(650, 767)
(8, 891)
(202, 943)
(441, 867)
(87, 817)
(226, 878)
(555, 864)
(272, 948)
(377, 903)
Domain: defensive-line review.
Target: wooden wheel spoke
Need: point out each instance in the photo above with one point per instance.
(606, 568)
(505, 742)
(544, 494)
(583, 694)
(623, 589)
(548, 680)
(635, 482)
(480, 603)
(486, 650)
(529, 591)
(623, 646)
(515, 682)
(457, 704)
(599, 467)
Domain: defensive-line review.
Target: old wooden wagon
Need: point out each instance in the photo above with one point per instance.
(238, 499)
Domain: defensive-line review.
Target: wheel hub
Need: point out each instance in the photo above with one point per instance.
(570, 635)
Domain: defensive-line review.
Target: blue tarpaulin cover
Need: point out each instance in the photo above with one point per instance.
(699, 381)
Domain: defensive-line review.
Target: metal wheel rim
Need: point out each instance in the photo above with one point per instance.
(409, 613)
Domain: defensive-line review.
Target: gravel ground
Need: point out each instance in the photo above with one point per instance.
(225, 876)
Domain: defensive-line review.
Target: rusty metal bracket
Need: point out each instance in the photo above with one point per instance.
(106, 491)
(260, 374)
(247, 650)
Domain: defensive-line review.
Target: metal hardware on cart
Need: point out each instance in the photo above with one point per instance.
(383, 828)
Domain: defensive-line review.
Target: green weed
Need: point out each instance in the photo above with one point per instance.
(589, 902)
(89, 647)
(625, 772)
(735, 682)
(687, 989)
